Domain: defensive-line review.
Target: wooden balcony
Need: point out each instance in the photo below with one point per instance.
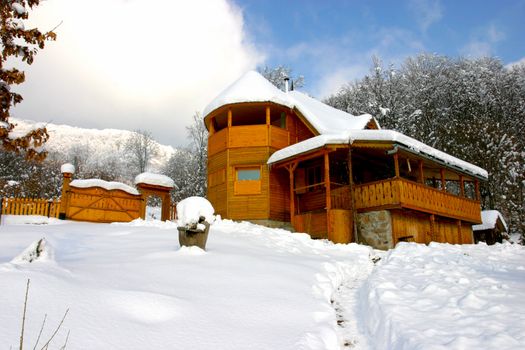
(248, 136)
(403, 193)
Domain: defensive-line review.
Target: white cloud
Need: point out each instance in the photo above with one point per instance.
(427, 12)
(482, 42)
(130, 64)
(516, 63)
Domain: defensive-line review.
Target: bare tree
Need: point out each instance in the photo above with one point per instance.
(140, 147)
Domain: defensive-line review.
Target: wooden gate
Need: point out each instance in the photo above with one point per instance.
(97, 204)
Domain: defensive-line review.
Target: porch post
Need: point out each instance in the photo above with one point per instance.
(421, 175)
(396, 164)
(291, 168)
(476, 189)
(352, 195)
(461, 186)
(327, 187)
(443, 182)
(212, 127)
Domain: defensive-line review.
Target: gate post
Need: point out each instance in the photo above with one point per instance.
(67, 172)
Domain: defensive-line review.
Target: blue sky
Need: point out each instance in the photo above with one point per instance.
(152, 64)
(330, 42)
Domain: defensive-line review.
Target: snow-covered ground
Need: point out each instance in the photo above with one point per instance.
(131, 286)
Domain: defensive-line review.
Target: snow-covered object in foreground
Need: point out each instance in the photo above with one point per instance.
(37, 251)
(67, 168)
(189, 211)
(108, 185)
(489, 218)
(154, 179)
(395, 137)
(253, 87)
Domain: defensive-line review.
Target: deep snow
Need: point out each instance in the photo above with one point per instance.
(130, 286)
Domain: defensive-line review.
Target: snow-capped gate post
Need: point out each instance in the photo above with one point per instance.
(67, 172)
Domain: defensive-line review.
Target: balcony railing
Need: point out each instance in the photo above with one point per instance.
(411, 195)
(248, 136)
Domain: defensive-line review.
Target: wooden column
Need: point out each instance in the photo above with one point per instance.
(396, 164)
(291, 169)
(268, 122)
(212, 127)
(230, 122)
(352, 196)
(434, 235)
(460, 239)
(461, 186)
(443, 182)
(421, 174)
(476, 189)
(327, 188)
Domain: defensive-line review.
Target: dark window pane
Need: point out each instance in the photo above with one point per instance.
(248, 174)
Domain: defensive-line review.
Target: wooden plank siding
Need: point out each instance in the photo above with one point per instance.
(248, 206)
(30, 206)
(279, 198)
(391, 193)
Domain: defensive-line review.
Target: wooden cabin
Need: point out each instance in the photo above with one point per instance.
(493, 228)
(284, 159)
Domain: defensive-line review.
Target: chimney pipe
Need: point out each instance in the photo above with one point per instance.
(286, 81)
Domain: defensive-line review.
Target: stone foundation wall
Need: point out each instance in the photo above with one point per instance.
(375, 229)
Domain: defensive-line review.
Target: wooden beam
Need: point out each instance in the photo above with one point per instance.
(291, 169)
(461, 186)
(396, 164)
(268, 121)
(230, 118)
(352, 195)
(476, 189)
(212, 126)
(443, 182)
(327, 191)
(421, 174)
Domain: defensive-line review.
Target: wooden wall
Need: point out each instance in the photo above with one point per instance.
(217, 192)
(248, 206)
(279, 195)
(408, 225)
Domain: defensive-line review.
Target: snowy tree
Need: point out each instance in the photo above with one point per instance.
(277, 75)
(18, 43)
(140, 148)
(188, 166)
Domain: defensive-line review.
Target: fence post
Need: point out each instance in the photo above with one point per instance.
(49, 207)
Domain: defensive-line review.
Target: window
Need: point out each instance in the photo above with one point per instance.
(247, 180)
(314, 176)
(248, 174)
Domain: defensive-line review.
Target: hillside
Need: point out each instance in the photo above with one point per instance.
(63, 139)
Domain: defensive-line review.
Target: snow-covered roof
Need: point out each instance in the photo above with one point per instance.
(489, 219)
(253, 87)
(154, 179)
(326, 119)
(348, 137)
(108, 185)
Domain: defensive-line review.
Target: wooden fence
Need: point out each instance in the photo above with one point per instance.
(30, 206)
